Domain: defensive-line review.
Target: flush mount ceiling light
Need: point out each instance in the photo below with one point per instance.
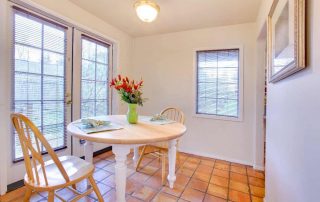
(147, 10)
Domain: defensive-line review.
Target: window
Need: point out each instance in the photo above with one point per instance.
(94, 78)
(39, 77)
(218, 83)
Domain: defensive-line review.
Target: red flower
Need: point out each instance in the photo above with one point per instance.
(112, 83)
(127, 79)
(119, 77)
(140, 83)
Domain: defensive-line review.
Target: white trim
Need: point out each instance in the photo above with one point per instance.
(4, 84)
(211, 155)
(258, 167)
(241, 84)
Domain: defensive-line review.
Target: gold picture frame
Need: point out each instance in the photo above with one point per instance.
(286, 38)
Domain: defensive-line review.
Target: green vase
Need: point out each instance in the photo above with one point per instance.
(132, 114)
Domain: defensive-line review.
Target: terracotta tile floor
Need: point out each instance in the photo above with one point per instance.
(198, 179)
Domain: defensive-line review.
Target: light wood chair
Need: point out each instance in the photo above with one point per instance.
(160, 150)
(55, 174)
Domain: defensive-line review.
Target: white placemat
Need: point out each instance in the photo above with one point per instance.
(88, 130)
(147, 119)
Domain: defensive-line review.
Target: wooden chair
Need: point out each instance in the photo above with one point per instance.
(160, 149)
(57, 173)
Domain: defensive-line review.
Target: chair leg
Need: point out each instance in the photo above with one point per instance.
(51, 196)
(95, 188)
(163, 172)
(27, 195)
(141, 157)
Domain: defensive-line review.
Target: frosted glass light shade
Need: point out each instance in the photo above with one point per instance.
(147, 10)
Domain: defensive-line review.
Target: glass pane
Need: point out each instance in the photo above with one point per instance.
(101, 107)
(228, 58)
(87, 109)
(101, 90)
(88, 90)
(32, 110)
(53, 63)
(211, 90)
(228, 91)
(228, 75)
(54, 134)
(53, 88)
(54, 39)
(53, 113)
(27, 31)
(102, 72)
(227, 107)
(88, 50)
(207, 106)
(207, 59)
(102, 54)
(88, 70)
(201, 90)
(27, 87)
(207, 74)
(27, 59)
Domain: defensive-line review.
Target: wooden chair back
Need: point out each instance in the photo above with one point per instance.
(31, 141)
(174, 114)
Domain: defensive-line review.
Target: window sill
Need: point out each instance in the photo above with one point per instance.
(221, 118)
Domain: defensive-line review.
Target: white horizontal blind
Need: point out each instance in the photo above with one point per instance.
(39, 76)
(94, 77)
(218, 82)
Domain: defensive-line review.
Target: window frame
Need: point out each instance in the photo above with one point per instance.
(240, 81)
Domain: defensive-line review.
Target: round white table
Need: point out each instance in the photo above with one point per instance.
(131, 136)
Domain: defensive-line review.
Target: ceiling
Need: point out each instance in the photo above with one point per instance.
(174, 16)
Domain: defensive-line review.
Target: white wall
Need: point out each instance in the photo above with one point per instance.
(293, 123)
(166, 63)
(71, 13)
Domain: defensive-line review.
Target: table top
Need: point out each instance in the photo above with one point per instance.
(140, 133)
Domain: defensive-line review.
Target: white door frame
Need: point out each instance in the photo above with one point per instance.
(4, 85)
(78, 149)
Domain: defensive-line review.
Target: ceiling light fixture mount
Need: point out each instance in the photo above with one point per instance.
(147, 10)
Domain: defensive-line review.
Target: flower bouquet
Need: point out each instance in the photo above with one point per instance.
(130, 92)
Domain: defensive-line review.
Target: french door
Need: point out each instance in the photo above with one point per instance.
(59, 74)
(91, 70)
(40, 82)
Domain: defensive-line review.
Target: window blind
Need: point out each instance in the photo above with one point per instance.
(39, 76)
(94, 78)
(218, 82)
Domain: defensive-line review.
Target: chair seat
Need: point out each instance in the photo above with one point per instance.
(75, 167)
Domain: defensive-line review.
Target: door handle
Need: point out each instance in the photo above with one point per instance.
(68, 99)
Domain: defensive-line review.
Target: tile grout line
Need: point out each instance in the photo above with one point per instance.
(229, 181)
(209, 180)
(249, 184)
(189, 179)
(179, 197)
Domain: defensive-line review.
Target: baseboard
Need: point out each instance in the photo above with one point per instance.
(204, 154)
(20, 183)
(257, 167)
